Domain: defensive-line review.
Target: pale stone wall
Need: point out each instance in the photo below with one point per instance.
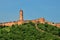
(58, 25)
(42, 20)
(21, 21)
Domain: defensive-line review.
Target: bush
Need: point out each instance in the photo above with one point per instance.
(26, 32)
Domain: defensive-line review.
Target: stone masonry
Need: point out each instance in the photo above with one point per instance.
(21, 21)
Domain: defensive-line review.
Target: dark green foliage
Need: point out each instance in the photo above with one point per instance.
(50, 29)
(28, 31)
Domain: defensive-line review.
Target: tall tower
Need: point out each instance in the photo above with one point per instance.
(21, 15)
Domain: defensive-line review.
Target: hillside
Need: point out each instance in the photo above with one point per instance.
(30, 31)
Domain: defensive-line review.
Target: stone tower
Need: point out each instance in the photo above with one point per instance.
(42, 20)
(21, 15)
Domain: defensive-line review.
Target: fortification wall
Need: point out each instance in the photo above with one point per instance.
(21, 21)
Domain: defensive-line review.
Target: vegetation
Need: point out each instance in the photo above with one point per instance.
(28, 31)
(50, 29)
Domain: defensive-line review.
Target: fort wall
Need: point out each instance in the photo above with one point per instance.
(21, 21)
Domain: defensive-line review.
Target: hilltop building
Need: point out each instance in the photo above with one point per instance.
(21, 21)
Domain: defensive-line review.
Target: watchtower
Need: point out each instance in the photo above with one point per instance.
(21, 15)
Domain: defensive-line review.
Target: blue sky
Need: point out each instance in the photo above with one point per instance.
(33, 9)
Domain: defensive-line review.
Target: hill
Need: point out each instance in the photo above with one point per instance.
(30, 31)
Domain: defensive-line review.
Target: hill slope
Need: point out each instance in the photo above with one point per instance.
(29, 31)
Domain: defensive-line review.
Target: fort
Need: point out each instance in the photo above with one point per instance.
(21, 21)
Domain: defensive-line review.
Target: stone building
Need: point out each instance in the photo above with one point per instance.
(21, 21)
